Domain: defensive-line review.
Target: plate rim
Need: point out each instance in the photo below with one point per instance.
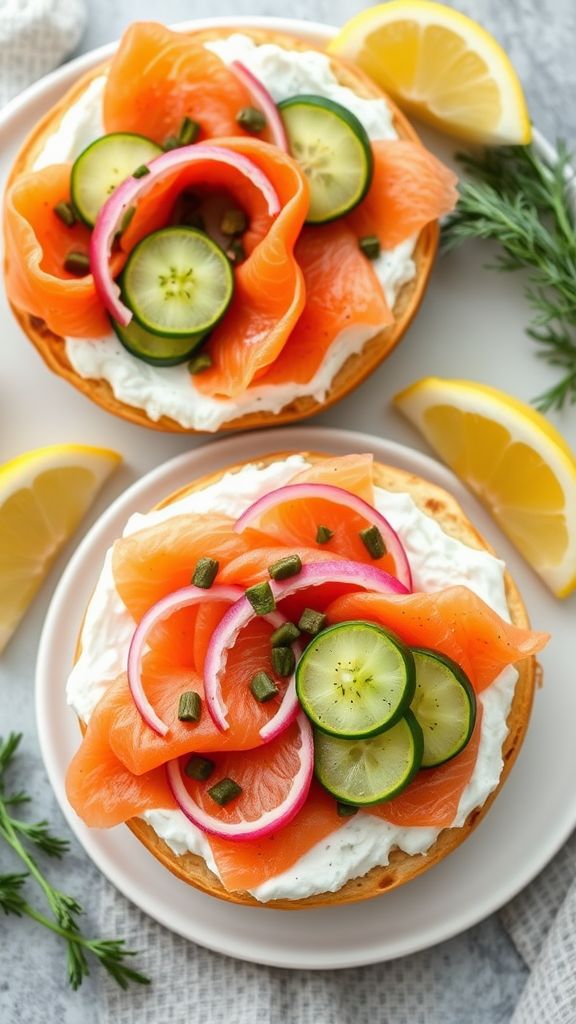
(235, 447)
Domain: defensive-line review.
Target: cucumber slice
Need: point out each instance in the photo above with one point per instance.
(334, 151)
(369, 771)
(355, 680)
(103, 165)
(156, 349)
(444, 705)
(178, 282)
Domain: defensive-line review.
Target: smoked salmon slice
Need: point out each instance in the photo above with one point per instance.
(137, 745)
(453, 621)
(410, 188)
(37, 243)
(160, 559)
(103, 792)
(158, 77)
(248, 864)
(433, 796)
(342, 289)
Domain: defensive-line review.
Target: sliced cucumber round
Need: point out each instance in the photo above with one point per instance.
(156, 349)
(178, 282)
(355, 680)
(334, 151)
(104, 165)
(444, 705)
(369, 771)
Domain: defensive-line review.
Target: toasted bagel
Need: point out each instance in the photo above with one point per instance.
(355, 369)
(402, 867)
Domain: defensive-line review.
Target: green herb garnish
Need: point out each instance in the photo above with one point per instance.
(141, 171)
(373, 542)
(64, 909)
(285, 635)
(189, 132)
(251, 119)
(323, 535)
(285, 567)
(312, 622)
(205, 573)
(515, 198)
(283, 661)
(233, 222)
(65, 212)
(345, 810)
(263, 687)
(77, 263)
(261, 598)
(199, 768)
(190, 706)
(370, 246)
(224, 791)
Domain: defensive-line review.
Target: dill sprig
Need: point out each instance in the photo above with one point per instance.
(515, 198)
(110, 953)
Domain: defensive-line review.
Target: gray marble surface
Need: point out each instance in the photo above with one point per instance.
(482, 964)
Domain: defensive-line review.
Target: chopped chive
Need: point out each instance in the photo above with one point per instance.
(261, 598)
(141, 171)
(323, 535)
(283, 661)
(251, 119)
(77, 263)
(236, 251)
(285, 567)
(285, 635)
(189, 706)
(224, 791)
(126, 219)
(189, 132)
(172, 142)
(311, 621)
(373, 541)
(65, 211)
(199, 768)
(199, 363)
(263, 687)
(205, 572)
(370, 246)
(345, 810)
(234, 222)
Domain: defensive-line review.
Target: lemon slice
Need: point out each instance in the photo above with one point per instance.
(43, 496)
(441, 66)
(513, 459)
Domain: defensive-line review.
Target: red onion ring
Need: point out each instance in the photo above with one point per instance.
(264, 100)
(338, 496)
(130, 191)
(271, 821)
(183, 598)
(241, 613)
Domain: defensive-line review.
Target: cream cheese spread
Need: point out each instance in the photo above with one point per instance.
(437, 561)
(170, 391)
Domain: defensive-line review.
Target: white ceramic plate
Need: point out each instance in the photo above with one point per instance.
(532, 817)
(471, 325)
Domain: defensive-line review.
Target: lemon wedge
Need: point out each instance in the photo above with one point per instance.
(43, 496)
(440, 66)
(513, 459)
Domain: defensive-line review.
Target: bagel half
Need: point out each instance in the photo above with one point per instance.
(356, 368)
(402, 867)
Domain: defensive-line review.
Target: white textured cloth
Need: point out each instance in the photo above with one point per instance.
(191, 985)
(35, 36)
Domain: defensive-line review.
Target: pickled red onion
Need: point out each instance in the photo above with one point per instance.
(241, 613)
(270, 821)
(338, 496)
(183, 598)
